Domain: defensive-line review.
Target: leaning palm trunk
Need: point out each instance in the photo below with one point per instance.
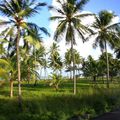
(73, 60)
(107, 61)
(18, 68)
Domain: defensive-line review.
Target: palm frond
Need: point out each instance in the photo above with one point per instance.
(4, 62)
(105, 17)
(59, 11)
(113, 26)
(70, 35)
(3, 22)
(60, 30)
(32, 26)
(56, 18)
(81, 4)
(84, 15)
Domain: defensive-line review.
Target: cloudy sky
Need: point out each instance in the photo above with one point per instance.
(93, 6)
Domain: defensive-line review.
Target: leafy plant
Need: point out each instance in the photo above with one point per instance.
(56, 81)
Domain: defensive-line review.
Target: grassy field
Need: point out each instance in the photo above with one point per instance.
(42, 102)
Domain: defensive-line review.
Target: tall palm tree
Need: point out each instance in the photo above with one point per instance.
(55, 61)
(105, 33)
(69, 18)
(17, 11)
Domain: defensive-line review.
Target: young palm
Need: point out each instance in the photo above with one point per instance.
(17, 11)
(106, 33)
(69, 18)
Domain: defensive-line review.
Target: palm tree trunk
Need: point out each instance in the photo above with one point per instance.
(35, 83)
(18, 68)
(28, 65)
(70, 73)
(107, 61)
(73, 60)
(28, 73)
(11, 88)
(45, 75)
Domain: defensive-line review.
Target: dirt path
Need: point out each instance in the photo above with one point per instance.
(109, 116)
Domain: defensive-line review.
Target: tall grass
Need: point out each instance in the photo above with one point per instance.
(44, 103)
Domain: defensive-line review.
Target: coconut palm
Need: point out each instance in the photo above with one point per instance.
(8, 72)
(117, 46)
(69, 24)
(17, 11)
(39, 61)
(31, 49)
(55, 61)
(68, 61)
(105, 34)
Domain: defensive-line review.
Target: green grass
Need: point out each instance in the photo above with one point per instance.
(44, 103)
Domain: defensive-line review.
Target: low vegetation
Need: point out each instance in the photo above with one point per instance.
(42, 102)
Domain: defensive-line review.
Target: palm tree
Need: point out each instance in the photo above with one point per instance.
(106, 32)
(33, 46)
(69, 18)
(17, 11)
(39, 59)
(55, 61)
(117, 46)
(90, 68)
(68, 61)
(8, 72)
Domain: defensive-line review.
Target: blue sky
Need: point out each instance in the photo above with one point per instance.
(97, 5)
